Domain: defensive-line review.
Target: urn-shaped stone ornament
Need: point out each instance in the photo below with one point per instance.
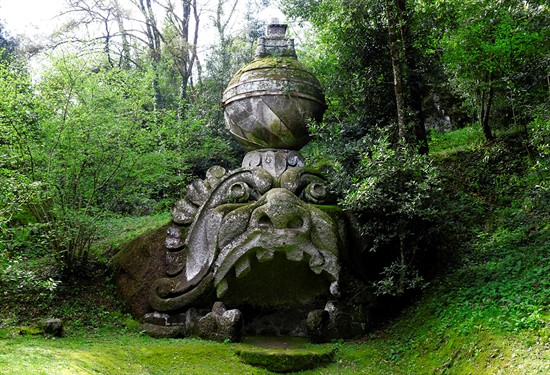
(269, 102)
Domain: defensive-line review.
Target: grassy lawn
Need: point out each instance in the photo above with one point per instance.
(412, 345)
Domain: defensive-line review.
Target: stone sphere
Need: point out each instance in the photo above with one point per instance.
(269, 103)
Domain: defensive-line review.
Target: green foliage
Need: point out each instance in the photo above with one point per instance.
(503, 216)
(395, 196)
(16, 122)
(349, 55)
(115, 231)
(459, 140)
(495, 54)
(503, 278)
(21, 282)
(71, 143)
(487, 313)
(7, 44)
(538, 192)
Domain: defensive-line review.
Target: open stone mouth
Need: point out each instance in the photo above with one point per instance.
(237, 258)
(300, 237)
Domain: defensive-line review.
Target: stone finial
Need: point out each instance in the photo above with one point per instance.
(275, 42)
(276, 30)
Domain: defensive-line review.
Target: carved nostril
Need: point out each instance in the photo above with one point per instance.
(264, 221)
(281, 210)
(295, 223)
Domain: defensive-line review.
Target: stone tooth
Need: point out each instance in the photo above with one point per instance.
(317, 269)
(264, 255)
(174, 238)
(316, 263)
(214, 175)
(197, 192)
(184, 212)
(334, 289)
(295, 255)
(221, 288)
(242, 267)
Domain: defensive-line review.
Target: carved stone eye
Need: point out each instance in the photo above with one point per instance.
(316, 192)
(239, 192)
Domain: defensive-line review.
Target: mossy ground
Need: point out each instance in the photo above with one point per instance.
(407, 347)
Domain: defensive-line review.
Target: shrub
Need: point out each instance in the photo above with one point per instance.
(394, 194)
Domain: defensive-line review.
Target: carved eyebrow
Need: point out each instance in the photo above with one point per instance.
(296, 180)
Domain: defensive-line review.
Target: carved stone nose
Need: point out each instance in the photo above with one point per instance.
(282, 210)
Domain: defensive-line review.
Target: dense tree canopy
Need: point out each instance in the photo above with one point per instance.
(473, 53)
(7, 43)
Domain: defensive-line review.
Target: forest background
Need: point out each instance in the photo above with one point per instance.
(124, 111)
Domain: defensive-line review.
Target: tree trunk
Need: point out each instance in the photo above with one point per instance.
(486, 110)
(395, 52)
(125, 55)
(154, 43)
(415, 94)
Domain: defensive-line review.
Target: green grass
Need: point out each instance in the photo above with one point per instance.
(116, 231)
(117, 354)
(414, 345)
(463, 139)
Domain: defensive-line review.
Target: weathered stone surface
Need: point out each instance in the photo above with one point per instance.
(231, 324)
(285, 354)
(269, 102)
(275, 246)
(208, 327)
(276, 162)
(279, 223)
(221, 324)
(214, 175)
(136, 265)
(184, 211)
(275, 43)
(266, 238)
(53, 326)
(317, 326)
(156, 318)
(159, 332)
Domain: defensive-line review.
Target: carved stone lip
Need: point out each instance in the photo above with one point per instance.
(294, 243)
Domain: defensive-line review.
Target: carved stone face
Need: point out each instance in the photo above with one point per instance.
(292, 241)
(261, 238)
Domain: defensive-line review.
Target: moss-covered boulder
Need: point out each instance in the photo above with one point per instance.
(285, 354)
(137, 265)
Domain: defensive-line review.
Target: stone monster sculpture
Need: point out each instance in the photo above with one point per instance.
(265, 238)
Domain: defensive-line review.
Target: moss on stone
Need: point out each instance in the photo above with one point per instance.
(137, 264)
(31, 330)
(274, 67)
(295, 354)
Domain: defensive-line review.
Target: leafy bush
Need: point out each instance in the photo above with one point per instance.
(457, 140)
(86, 141)
(395, 196)
(16, 280)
